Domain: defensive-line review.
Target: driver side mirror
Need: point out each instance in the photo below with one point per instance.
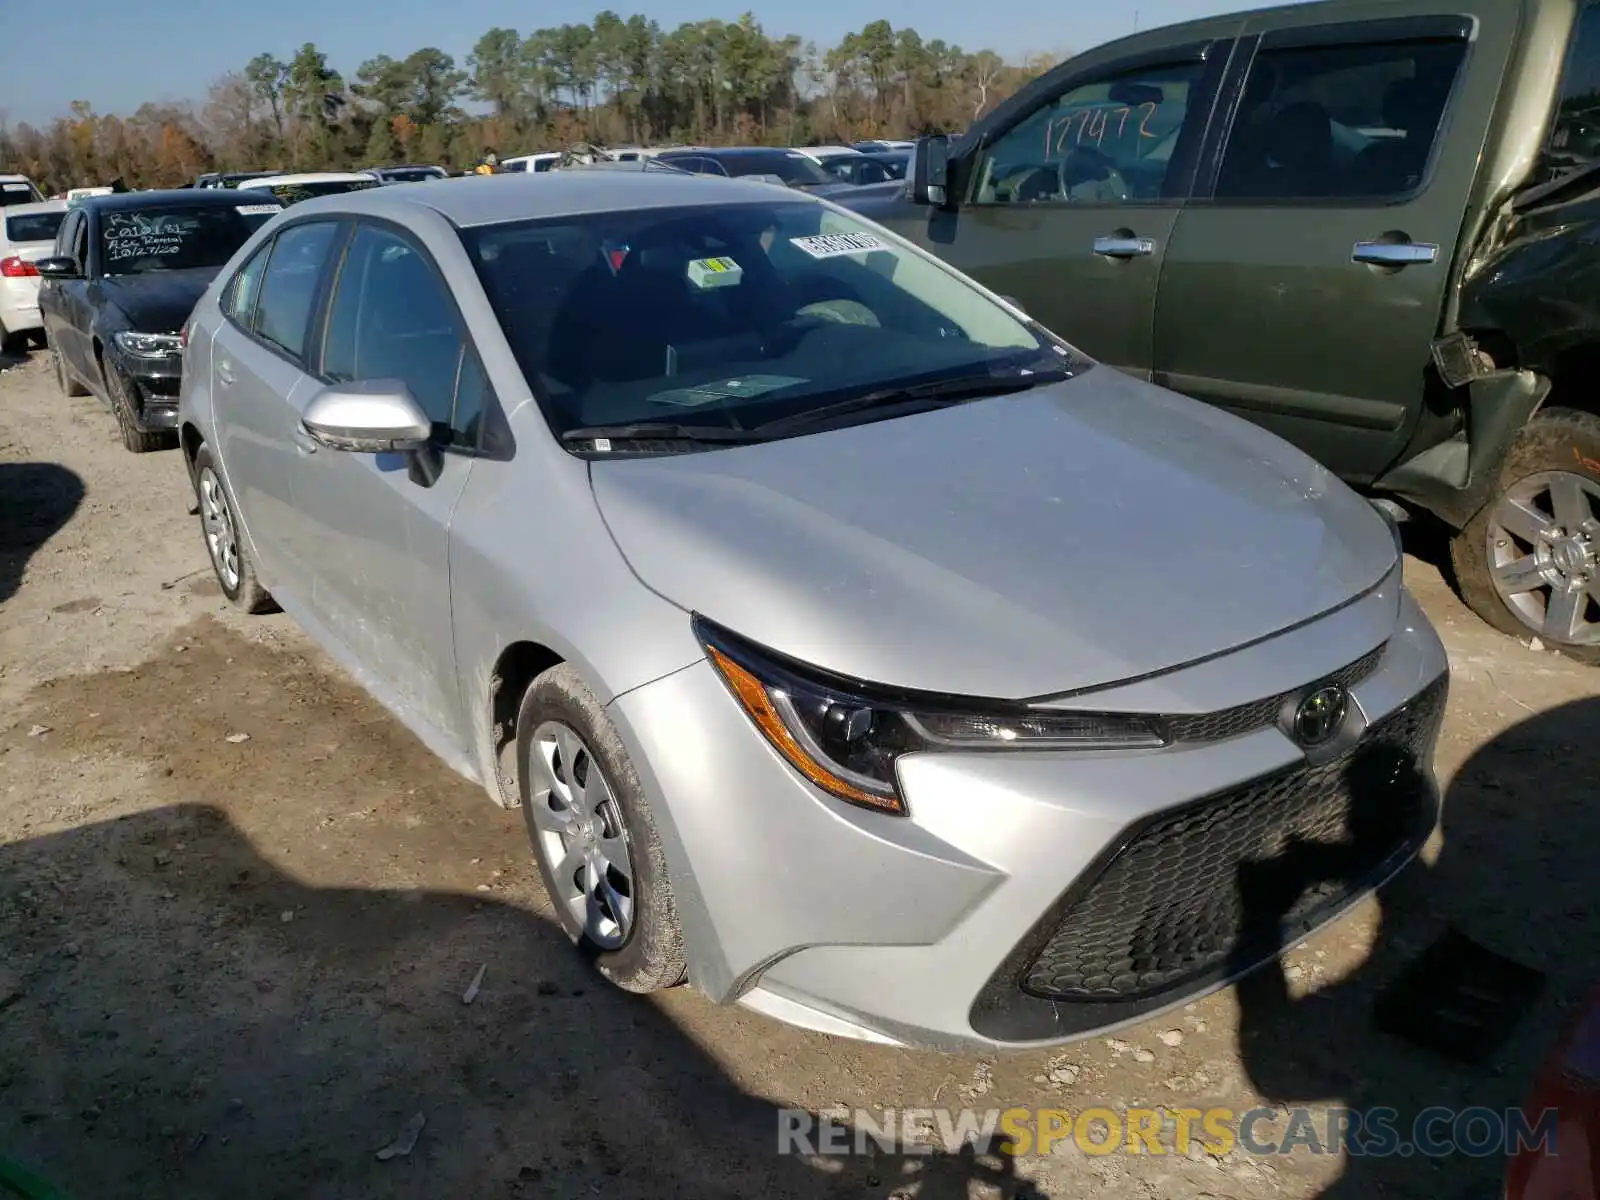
(374, 416)
(57, 267)
(930, 171)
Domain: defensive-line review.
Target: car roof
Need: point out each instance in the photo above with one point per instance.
(156, 198)
(494, 199)
(40, 206)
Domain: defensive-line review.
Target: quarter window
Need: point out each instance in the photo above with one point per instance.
(1339, 122)
(288, 290)
(239, 302)
(1108, 142)
(1575, 137)
(392, 318)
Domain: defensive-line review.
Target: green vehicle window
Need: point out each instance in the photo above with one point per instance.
(1339, 122)
(1575, 135)
(1107, 142)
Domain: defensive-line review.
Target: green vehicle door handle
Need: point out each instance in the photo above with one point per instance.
(1118, 246)
(1394, 254)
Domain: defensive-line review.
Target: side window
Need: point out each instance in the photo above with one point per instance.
(288, 289)
(1575, 134)
(239, 301)
(472, 401)
(392, 318)
(1354, 121)
(80, 243)
(64, 235)
(1108, 142)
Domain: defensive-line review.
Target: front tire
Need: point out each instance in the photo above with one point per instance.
(594, 836)
(230, 560)
(1529, 562)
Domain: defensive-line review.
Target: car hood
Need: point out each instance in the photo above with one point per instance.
(157, 301)
(1072, 536)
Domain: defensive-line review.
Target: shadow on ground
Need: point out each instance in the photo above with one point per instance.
(36, 500)
(1517, 875)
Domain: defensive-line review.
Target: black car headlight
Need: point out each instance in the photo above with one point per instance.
(845, 736)
(153, 346)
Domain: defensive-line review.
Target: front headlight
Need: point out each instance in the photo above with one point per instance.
(149, 345)
(846, 737)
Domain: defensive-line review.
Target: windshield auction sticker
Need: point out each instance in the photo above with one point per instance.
(256, 210)
(832, 245)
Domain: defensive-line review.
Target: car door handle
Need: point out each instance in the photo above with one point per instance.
(1394, 254)
(1117, 246)
(304, 442)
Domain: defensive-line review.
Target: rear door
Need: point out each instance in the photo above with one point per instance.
(53, 313)
(375, 540)
(1069, 204)
(1305, 281)
(259, 385)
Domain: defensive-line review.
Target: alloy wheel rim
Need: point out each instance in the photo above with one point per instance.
(217, 520)
(580, 834)
(1544, 555)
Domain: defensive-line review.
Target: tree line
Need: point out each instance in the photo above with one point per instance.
(613, 81)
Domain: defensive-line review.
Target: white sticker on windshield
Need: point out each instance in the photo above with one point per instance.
(832, 245)
(256, 210)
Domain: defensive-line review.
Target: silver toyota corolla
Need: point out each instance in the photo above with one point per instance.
(856, 649)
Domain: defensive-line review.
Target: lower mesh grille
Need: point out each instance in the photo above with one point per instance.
(1211, 886)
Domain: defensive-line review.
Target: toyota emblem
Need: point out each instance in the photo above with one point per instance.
(1320, 716)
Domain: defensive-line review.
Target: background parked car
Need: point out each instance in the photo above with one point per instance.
(18, 189)
(123, 277)
(410, 174)
(1359, 245)
(794, 168)
(536, 163)
(292, 189)
(27, 233)
(230, 179)
(866, 169)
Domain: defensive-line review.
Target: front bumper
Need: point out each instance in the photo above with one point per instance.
(1037, 897)
(153, 386)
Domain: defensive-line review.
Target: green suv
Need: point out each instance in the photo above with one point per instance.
(1368, 226)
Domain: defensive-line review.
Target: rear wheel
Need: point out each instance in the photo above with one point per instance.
(140, 441)
(594, 836)
(68, 385)
(229, 558)
(1529, 562)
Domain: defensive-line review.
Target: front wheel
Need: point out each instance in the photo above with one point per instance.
(594, 835)
(1529, 562)
(229, 558)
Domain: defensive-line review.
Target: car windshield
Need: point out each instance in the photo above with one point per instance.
(33, 227)
(14, 191)
(793, 169)
(173, 238)
(416, 176)
(736, 314)
(293, 193)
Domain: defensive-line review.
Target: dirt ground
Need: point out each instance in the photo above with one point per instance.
(239, 907)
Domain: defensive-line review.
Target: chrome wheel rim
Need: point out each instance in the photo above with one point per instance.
(217, 520)
(579, 834)
(1544, 555)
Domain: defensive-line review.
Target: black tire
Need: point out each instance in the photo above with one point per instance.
(13, 345)
(64, 380)
(1556, 440)
(239, 584)
(139, 441)
(650, 957)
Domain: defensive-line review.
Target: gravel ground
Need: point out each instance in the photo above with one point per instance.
(239, 907)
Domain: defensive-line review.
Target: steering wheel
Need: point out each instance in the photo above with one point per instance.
(1089, 174)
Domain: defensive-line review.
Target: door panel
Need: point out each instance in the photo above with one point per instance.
(1070, 209)
(1303, 287)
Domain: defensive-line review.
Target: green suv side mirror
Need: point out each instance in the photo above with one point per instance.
(930, 171)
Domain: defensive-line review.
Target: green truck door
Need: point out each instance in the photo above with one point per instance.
(1069, 204)
(1304, 284)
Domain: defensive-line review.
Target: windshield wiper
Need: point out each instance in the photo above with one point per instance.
(942, 391)
(660, 431)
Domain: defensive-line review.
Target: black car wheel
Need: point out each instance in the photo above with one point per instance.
(1529, 562)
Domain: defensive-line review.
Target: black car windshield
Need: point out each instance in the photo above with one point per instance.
(170, 238)
(736, 314)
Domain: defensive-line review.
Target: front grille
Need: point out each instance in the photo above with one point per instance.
(1216, 886)
(1259, 714)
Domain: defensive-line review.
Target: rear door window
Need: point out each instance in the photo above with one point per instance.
(239, 301)
(1575, 134)
(288, 292)
(33, 227)
(1349, 121)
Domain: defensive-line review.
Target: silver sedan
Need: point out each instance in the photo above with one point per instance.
(855, 648)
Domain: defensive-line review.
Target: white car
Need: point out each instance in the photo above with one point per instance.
(18, 189)
(821, 152)
(291, 189)
(531, 162)
(80, 193)
(27, 233)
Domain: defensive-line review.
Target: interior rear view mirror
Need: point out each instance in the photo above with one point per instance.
(1135, 94)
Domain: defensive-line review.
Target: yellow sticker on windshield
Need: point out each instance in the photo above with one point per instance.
(714, 272)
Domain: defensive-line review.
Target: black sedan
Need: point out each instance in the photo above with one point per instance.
(125, 274)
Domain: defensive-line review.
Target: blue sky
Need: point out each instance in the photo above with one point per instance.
(117, 55)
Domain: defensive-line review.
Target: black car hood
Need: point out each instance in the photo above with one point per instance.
(155, 301)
